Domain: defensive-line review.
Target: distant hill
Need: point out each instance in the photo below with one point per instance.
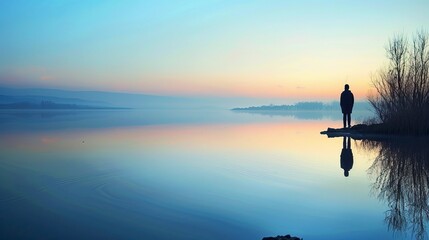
(49, 105)
(34, 99)
(10, 95)
(305, 106)
(88, 98)
(117, 99)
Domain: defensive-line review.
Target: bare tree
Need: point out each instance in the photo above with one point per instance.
(402, 101)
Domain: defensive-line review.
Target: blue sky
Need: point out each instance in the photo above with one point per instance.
(221, 48)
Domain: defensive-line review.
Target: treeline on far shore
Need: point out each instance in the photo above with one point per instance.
(305, 106)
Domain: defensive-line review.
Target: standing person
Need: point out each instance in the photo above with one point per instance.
(346, 101)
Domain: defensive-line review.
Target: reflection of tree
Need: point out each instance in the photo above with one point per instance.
(402, 180)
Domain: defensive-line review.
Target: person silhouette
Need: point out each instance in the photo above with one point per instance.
(346, 102)
(346, 157)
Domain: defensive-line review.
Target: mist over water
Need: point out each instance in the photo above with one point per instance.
(161, 174)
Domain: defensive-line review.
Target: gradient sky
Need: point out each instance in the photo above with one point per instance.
(270, 49)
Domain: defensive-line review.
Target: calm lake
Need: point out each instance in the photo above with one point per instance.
(208, 174)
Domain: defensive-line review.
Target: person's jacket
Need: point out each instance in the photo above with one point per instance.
(346, 101)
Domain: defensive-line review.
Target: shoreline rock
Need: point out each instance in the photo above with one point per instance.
(286, 237)
(359, 132)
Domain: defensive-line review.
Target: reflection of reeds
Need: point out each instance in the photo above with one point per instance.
(402, 180)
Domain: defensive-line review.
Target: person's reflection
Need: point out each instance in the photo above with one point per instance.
(346, 157)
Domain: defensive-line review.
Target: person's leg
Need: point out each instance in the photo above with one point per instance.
(348, 143)
(349, 118)
(344, 120)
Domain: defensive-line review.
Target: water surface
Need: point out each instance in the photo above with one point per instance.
(131, 174)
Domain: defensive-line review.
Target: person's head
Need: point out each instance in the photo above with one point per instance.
(346, 87)
(346, 173)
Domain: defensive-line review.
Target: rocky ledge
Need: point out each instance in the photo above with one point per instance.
(287, 237)
(359, 131)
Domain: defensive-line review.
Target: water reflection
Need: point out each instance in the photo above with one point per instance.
(13, 121)
(185, 175)
(401, 172)
(346, 157)
(306, 114)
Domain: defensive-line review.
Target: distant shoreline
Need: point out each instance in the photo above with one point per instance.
(52, 106)
(304, 106)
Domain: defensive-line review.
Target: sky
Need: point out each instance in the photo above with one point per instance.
(261, 49)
